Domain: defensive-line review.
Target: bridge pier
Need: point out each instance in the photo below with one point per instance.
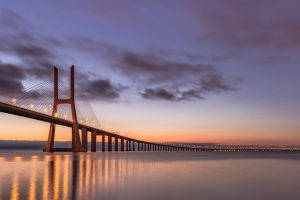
(129, 142)
(84, 138)
(103, 142)
(77, 144)
(93, 141)
(109, 143)
(50, 143)
(116, 144)
(133, 145)
(122, 144)
(141, 146)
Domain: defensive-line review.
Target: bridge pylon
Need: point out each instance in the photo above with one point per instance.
(77, 145)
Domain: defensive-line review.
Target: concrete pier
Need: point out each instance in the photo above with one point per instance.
(122, 144)
(109, 143)
(84, 138)
(93, 141)
(103, 142)
(116, 144)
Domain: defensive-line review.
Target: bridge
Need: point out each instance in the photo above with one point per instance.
(80, 131)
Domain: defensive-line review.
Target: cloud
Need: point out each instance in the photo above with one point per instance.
(211, 83)
(37, 57)
(100, 89)
(153, 68)
(163, 74)
(11, 82)
(214, 83)
(158, 76)
(251, 24)
(152, 74)
(159, 94)
(10, 79)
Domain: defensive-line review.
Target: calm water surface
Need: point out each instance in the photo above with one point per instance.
(149, 175)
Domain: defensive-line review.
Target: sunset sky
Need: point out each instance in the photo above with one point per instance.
(224, 71)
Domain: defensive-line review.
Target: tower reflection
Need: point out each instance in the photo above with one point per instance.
(64, 176)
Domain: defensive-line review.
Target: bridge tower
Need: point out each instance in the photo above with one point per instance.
(77, 146)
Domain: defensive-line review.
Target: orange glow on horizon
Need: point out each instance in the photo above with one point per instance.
(39, 132)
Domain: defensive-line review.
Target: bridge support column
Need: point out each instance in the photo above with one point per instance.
(103, 142)
(122, 144)
(93, 141)
(50, 143)
(133, 145)
(139, 148)
(116, 144)
(84, 138)
(109, 143)
(127, 145)
(77, 145)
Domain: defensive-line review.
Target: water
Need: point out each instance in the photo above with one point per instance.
(149, 175)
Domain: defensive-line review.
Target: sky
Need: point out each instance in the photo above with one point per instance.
(223, 71)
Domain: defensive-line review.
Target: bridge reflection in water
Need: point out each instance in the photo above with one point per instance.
(149, 175)
(67, 176)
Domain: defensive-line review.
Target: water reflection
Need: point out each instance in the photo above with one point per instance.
(76, 176)
(134, 176)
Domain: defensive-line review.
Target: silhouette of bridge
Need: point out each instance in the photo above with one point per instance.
(80, 130)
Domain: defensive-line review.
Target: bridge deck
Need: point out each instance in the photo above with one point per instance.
(10, 109)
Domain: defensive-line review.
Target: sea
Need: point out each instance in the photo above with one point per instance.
(32, 174)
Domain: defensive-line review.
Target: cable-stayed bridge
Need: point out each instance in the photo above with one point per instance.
(55, 101)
